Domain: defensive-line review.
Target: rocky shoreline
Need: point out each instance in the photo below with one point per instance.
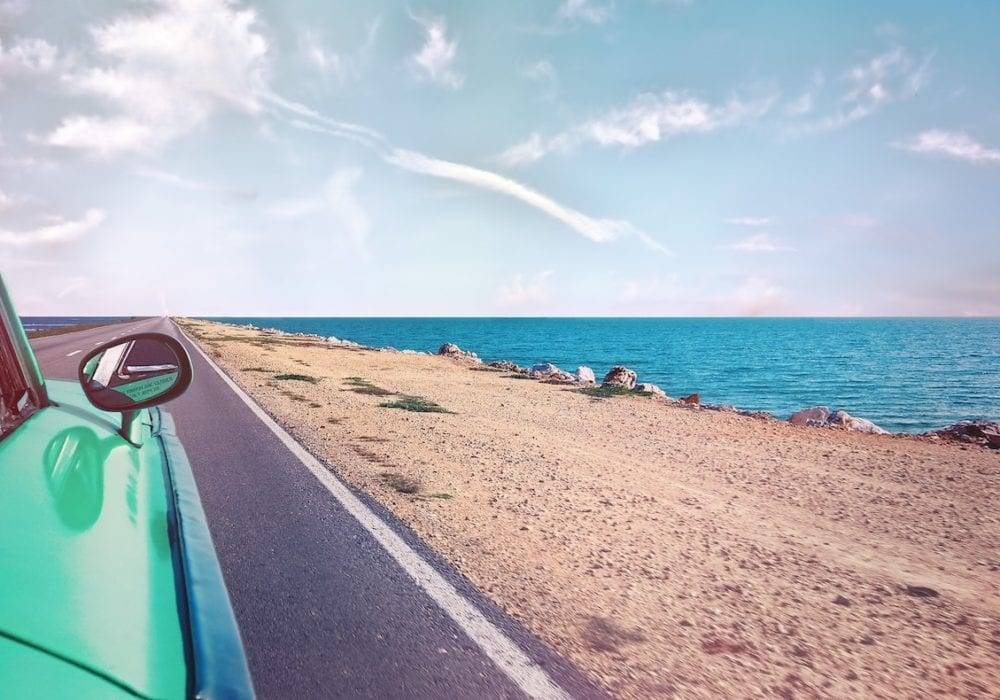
(622, 380)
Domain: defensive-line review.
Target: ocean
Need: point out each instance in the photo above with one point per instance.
(905, 374)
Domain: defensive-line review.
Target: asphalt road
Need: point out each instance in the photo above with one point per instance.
(323, 608)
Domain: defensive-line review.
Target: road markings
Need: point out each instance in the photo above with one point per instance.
(509, 658)
(75, 352)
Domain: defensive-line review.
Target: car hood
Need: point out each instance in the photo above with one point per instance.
(86, 566)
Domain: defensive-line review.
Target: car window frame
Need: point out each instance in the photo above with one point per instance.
(20, 404)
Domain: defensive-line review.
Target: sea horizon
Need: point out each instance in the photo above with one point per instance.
(907, 374)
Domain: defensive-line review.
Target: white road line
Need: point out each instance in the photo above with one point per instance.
(75, 352)
(518, 666)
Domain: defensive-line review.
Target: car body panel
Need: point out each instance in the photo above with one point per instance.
(33, 673)
(85, 548)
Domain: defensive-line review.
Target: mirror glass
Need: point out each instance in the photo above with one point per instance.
(131, 373)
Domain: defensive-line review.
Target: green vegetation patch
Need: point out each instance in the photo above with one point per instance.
(256, 369)
(297, 378)
(400, 483)
(416, 404)
(606, 392)
(360, 385)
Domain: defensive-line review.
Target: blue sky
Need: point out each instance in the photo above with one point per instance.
(563, 158)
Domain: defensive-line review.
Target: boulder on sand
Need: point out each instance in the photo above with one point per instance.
(621, 377)
(815, 416)
(647, 388)
(548, 372)
(506, 366)
(691, 399)
(456, 353)
(822, 417)
(585, 375)
(977, 432)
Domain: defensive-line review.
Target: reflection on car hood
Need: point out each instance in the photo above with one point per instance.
(85, 562)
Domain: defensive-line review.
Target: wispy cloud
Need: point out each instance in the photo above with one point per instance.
(192, 184)
(525, 289)
(951, 144)
(337, 203)
(541, 72)
(759, 243)
(435, 60)
(750, 220)
(585, 11)
(59, 231)
(343, 67)
(27, 56)
(648, 118)
(806, 102)
(164, 74)
(891, 76)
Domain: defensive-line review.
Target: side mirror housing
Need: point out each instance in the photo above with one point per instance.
(135, 372)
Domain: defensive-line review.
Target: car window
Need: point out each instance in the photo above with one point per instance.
(15, 401)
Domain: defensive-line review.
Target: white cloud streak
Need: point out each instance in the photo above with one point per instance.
(649, 118)
(585, 11)
(55, 233)
(191, 184)
(435, 60)
(951, 144)
(759, 243)
(525, 289)
(750, 220)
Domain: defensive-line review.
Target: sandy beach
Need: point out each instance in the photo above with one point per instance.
(665, 550)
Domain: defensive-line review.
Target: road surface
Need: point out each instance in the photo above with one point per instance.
(324, 609)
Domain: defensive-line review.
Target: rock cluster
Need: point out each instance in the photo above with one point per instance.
(823, 417)
(620, 377)
(977, 432)
(456, 353)
(647, 388)
(507, 366)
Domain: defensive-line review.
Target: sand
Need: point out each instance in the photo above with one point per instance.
(665, 550)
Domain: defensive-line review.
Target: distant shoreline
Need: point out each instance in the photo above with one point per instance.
(747, 407)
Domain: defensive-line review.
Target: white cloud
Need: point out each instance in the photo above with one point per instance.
(27, 57)
(167, 72)
(750, 220)
(436, 58)
(541, 72)
(528, 151)
(806, 102)
(525, 289)
(648, 118)
(598, 230)
(951, 144)
(191, 184)
(343, 67)
(891, 76)
(759, 243)
(337, 203)
(585, 11)
(58, 231)
(759, 296)
(75, 284)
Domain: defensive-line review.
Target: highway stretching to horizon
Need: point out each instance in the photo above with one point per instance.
(334, 596)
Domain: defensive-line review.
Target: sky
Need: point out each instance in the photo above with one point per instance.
(572, 157)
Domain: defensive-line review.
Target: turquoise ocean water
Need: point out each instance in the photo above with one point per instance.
(906, 374)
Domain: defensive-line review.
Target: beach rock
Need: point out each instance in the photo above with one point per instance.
(822, 417)
(651, 389)
(621, 377)
(586, 375)
(691, 399)
(453, 351)
(506, 366)
(845, 421)
(815, 416)
(550, 373)
(544, 369)
(976, 432)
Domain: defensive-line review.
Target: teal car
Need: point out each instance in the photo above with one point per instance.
(109, 583)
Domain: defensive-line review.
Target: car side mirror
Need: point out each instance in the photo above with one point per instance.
(135, 372)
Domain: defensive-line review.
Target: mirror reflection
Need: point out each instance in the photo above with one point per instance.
(131, 373)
